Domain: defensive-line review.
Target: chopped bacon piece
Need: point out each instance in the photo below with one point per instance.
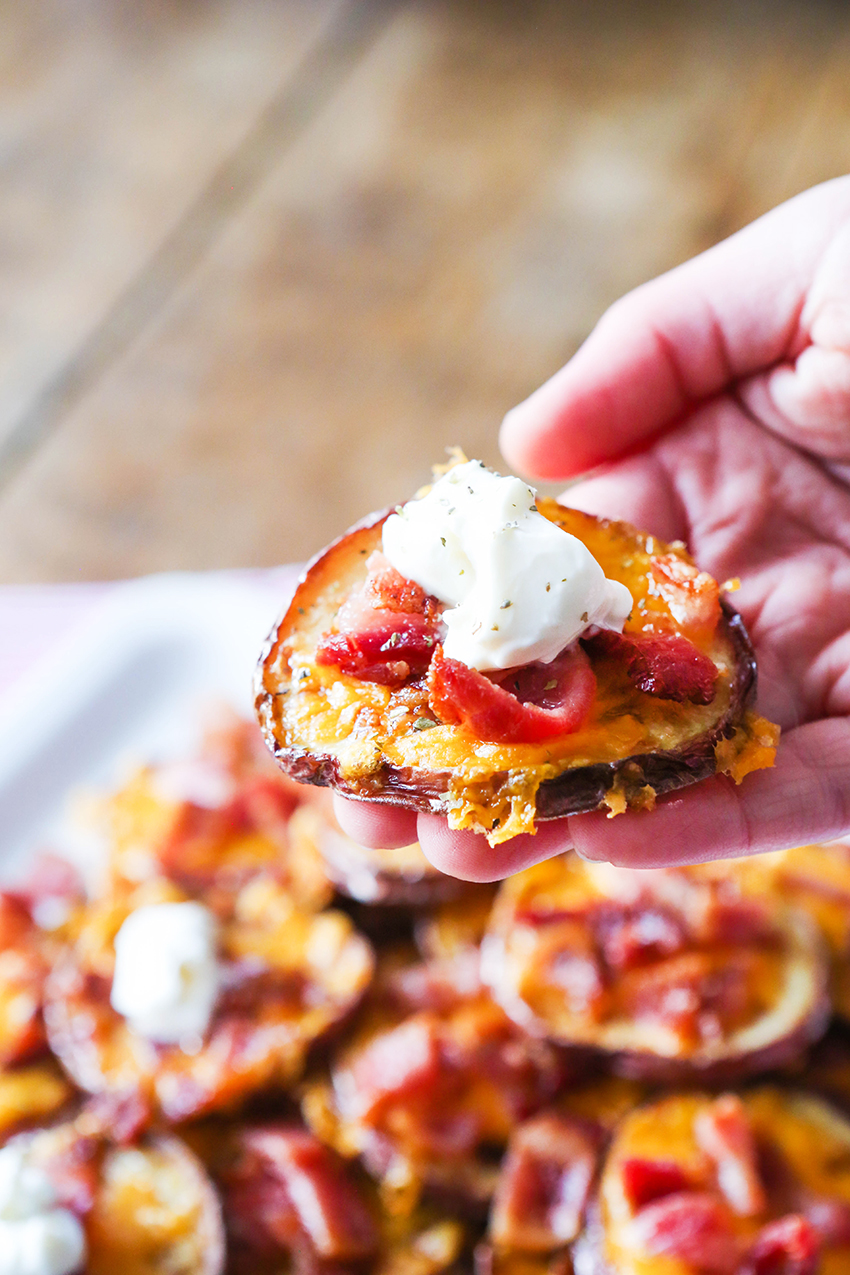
(725, 1134)
(328, 1206)
(386, 631)
(74, 1171)
(667, 665)
(831, 1220)
(401, 1061)
(50, 877)
(631, 938)
(691, 993)
(580, 976)
(23, 969)
(645, 1181)
(528, 706)
(389, 651)
(16, 924)
(788, 1246)
(737, 922)
(544, 1184)
(690, 1225)
(387, 589)
(693, 596)
(122, 1117)
(438, 984)
(188, 852)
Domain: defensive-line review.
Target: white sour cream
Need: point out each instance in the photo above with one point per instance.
(36, 1238)
(518, 587)
(167, 977)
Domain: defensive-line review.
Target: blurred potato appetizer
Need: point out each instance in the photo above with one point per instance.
(212, 823)
(466, 1091)
(430, 1087)
(756, 1184)
(72, 1200)
(816, 879)
(291, 1201)
(286, 978)
(401, 875)
(671, 974)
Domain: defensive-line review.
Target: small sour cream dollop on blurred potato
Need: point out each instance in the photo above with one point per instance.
(36, 1238)
(167, 976)
(519, 588)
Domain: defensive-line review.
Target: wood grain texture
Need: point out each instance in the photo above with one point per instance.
(436, 240)
(114, 117)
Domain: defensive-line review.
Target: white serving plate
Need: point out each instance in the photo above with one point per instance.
(130, 684)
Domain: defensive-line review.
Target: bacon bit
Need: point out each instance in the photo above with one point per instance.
(386, 631)
(16, 924)
(690, 1225)
(666, 665)
(530, 711)
(544, 1184)
(396, 1063)
(389, 651)
(23, 969)
(189, 853)
(645, 1181)
(438, 984)
(788, 1246)
(691, 993)
(831, 1220)
(693, 596)
(629, 939)
(581, 978)
(724, 1133)
(737, 922)
(50, 877)
(386, 589)
(74, 1172)
(326, 1206)
(122, 1117)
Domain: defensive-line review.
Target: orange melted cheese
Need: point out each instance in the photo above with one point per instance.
(813, 1140)
(493, 786)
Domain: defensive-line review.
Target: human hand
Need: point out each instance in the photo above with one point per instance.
(713, 406)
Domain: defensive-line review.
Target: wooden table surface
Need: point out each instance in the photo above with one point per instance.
(262, 260)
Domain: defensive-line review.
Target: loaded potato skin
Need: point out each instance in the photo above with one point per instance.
(749, 1184)
(91, 1205)
(672, 975)
(671, 698)
(289, 977)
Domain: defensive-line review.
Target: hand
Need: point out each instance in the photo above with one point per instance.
(713, 406)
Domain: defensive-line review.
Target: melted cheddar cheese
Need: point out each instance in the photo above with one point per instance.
(493, 786)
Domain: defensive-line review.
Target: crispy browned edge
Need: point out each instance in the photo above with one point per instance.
(580, 789)
(209, 1233)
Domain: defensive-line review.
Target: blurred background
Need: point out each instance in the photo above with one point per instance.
(263, 260)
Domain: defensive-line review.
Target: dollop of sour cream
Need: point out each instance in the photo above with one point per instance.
(167, 977)
(36, 1237)
(518, 587)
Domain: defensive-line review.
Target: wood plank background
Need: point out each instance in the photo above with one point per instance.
(264, 259)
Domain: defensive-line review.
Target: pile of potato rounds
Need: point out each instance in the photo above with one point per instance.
(586, 1069)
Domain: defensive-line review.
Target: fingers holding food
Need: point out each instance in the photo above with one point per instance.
(606, 672)
(395, 875)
